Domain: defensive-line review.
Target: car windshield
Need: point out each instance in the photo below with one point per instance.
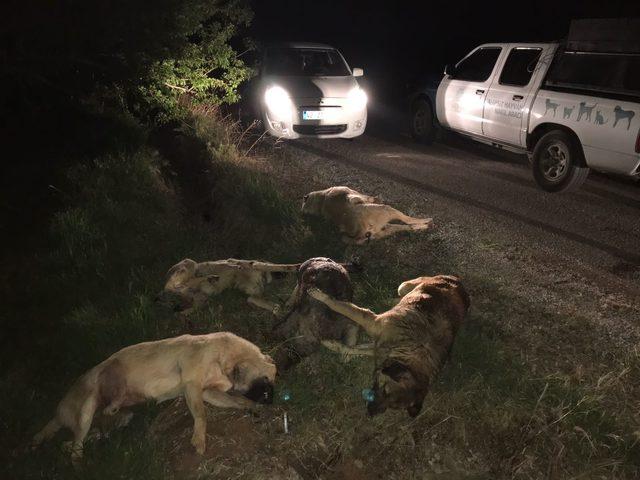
(306, 62)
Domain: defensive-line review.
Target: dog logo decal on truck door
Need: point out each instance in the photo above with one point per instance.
(549, 105)
(568, 111)
(600, 120)
(621, 114)
(585, 110)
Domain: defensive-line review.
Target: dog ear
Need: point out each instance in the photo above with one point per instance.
(414, 409)
(408, 286)
(268, 359)
(396, 370)
(238, 373)
(184, 265)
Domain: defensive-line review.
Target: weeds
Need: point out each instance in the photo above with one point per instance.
(500, 409)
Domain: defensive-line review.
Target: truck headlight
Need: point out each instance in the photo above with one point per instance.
(278, 102)
(357, 99)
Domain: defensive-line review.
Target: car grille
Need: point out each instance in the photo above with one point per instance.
(319, 129)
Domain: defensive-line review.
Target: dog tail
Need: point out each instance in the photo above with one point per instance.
(47, 432)
(276, 267)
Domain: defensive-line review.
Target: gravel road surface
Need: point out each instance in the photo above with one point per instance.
(578, 253)
(596, 228)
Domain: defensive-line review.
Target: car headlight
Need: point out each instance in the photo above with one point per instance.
(357, 99)
(278, 101)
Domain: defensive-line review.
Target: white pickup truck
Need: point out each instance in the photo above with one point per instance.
(570, 110)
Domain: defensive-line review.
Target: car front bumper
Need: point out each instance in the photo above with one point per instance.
(338, 121)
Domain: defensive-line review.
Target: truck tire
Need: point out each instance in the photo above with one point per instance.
(423, 126)
(558, 162)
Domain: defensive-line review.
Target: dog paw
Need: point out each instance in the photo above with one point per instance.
(426, 225)
(317, 294)
(198, 442)
(332, 345)
(75, 450)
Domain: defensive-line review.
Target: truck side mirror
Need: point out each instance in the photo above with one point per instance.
(449, 70)
(358, 72)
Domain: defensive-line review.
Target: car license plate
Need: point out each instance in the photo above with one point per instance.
(312, 114)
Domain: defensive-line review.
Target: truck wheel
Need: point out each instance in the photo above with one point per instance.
(558, 163)
(423, 128)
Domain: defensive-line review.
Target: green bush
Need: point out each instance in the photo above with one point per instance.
(131, 55)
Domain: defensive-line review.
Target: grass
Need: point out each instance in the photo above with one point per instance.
(508, 405)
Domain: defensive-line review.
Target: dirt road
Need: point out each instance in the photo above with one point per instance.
(596, 229)
(575, 254)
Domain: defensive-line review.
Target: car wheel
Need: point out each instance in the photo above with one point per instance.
(558, 163)
(423, 128)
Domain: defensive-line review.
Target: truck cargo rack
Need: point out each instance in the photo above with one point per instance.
(604, 35)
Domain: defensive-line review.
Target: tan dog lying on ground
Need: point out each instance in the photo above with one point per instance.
(412, 340)
(190, 284)
(358, 217)
(220, 368)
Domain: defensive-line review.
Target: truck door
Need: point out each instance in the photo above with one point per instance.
(510, 96)
(461, 95)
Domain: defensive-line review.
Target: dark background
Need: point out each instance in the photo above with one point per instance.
(397, 42)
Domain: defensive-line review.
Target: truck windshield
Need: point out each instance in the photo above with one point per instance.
(305, 62)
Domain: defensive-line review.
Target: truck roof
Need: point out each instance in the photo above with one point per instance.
(310, 45)
(528, 42)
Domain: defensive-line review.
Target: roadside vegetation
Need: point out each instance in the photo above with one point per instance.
(500, 409)
(142, 182)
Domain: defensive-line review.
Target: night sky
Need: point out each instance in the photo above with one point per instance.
(398, 41)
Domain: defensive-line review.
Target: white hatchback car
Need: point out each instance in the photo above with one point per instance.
(307, 89)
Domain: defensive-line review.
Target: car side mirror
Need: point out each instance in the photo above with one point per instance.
(450, 70)
(358, 72)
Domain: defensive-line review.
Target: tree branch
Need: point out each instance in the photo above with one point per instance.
(176, 87)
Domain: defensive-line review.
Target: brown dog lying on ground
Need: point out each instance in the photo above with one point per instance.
(220, 368)
(412, 340)
(358, 217)
(190, 284)
(308, 322)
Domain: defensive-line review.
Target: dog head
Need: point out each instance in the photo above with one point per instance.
(449, 285)
(312, 203)
(180, 273)
(395, 387)
(181, 296)
(254, 378)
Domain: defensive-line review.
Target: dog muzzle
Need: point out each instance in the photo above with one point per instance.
(261, 391)
(374, 408)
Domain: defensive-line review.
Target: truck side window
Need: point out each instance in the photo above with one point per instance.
(519, 67)
(614, 73)
(631, 81)
(478, 66)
